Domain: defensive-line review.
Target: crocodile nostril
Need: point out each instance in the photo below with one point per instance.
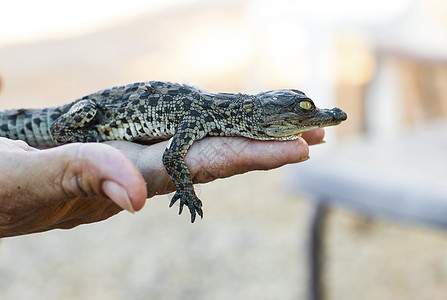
(339, 114)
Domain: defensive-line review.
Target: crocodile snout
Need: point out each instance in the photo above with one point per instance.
(339, 115)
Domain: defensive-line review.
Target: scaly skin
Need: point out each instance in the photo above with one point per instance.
(147, 112)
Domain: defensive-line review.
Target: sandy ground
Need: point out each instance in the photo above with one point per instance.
(250, 244)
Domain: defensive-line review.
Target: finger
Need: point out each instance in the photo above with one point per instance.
(81, 170)
(224, 157)
(212, 158)
(64, 214)
(314, 137)
(13, 145)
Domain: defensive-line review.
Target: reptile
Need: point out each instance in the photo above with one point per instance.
(152, 111)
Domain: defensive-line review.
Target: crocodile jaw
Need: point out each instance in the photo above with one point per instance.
(291, 128)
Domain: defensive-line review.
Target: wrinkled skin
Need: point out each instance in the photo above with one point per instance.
(74, 184)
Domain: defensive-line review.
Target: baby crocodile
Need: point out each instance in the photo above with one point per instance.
(153, 111)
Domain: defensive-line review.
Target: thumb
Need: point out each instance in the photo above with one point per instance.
(82, 170)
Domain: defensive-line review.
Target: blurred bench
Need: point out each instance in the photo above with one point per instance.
(402, 179)
(394, 175)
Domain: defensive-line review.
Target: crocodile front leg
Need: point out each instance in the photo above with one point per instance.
(173, 160)
(73, 126)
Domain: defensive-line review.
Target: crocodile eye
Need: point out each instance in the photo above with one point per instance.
(305, 105)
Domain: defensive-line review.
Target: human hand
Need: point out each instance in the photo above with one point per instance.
(217, 157)
(76, 184)
(64, 186)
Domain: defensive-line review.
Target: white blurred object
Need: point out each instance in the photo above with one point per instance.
(414, 27)
(323, 20)
(422, 32)
(351, 12)
(29, 20)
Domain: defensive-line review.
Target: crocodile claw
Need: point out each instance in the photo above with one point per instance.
(191, 201)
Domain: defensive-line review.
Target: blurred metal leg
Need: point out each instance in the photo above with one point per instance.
(315, 249)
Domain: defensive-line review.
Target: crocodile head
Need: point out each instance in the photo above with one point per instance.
(288, 113)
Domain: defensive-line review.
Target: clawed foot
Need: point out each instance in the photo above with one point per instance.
(189, 199)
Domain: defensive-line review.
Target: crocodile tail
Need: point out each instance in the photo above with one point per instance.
(29, 125)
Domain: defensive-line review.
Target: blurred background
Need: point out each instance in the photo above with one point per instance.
(383, 62)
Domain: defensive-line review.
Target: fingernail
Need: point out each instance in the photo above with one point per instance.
(118, 195)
